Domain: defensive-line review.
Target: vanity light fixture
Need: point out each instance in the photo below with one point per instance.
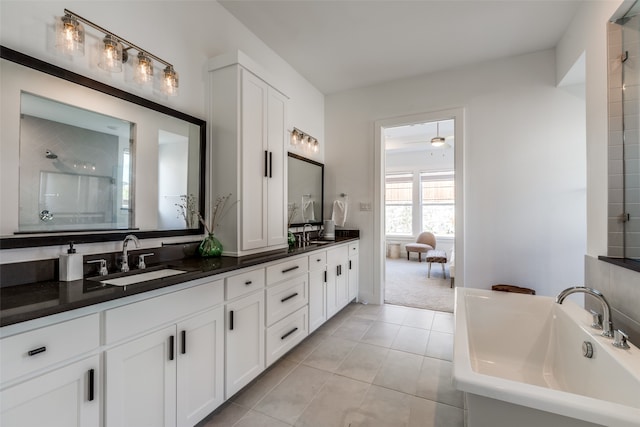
(437, 141)
(306, 141)
(70, 39)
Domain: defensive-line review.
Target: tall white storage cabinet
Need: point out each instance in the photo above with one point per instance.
(248, 123)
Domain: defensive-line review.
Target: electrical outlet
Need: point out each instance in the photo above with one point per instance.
(365, 206)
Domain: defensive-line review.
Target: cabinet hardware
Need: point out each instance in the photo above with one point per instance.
(37, 351)
(266, 164)
(286, 270)
(270, 164)
(248, 282)
(349, 264)
(184, 341)
(289, 297)
(231, 320)
(289, 333)
(171, 347)
(91, 385)
(325, 276)
(319, 259)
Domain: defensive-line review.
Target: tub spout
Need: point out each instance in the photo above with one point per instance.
(607, 324)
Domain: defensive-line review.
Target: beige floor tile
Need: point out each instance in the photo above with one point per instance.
(440, 346)
(381, 333)
(411, 340)
(250, 395)
(331, 325)
(400, 371)
(306, 347)
(225, 416)
(382, 407)
(426, 413)
(329, 354)
(336, 402)
(289, 398)
(257, 419)
(353, 328)
(393, 314)
(368, 311)
(419, 318)
(443, 322)
(435, 383)
(363, 362)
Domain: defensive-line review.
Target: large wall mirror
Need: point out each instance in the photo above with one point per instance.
(86, 162)
(306, 190)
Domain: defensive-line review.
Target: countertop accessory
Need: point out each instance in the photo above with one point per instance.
(70, 265)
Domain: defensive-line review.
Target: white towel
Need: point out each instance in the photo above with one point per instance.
(339, 214)
(308, 211)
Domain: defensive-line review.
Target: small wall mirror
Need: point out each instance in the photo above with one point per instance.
(306, 190)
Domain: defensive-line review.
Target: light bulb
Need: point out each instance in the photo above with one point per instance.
(70, 35)
(144, 69)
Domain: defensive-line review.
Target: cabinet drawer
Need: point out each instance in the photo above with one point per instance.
(287, 269)
(287, 297)
(37, 349)
(244, 283)
(317, 261)
(141, 316)
(353, 248)
(286, 334)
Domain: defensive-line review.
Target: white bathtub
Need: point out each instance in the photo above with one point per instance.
(519, 359)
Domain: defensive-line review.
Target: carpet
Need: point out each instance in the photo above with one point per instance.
(407, 284)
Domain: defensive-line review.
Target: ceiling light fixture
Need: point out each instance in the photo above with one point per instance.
(306, 141)
(70, 39)
(437, 141)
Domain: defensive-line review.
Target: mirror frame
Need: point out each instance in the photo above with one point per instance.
(313, 162)
(64, 237)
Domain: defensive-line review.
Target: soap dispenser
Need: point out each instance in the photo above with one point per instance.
(70, 265)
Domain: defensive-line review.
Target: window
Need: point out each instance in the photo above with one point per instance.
(438, 203)
(399, 204)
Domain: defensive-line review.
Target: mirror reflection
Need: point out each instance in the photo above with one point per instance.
(305, 190)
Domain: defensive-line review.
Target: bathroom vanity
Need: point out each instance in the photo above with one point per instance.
(167, 351)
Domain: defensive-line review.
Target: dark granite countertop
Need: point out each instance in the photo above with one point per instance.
(30, 301)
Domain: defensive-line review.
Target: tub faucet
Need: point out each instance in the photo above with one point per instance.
(607, 324)
(125, 256)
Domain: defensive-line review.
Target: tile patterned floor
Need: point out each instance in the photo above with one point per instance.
(369, 365)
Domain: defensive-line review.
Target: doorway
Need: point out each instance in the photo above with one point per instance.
(419, 188)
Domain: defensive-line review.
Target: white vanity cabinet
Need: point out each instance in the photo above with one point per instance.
(317, 289)
(53, 387)
(171, 373)
(337, 279)
(248, 120)
(353, 275)
(244, 330)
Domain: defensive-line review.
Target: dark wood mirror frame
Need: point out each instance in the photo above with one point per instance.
(321, 166)
(62, 237)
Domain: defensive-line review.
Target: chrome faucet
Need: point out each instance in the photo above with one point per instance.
(607, 324)
(125, 256)
(305, 235)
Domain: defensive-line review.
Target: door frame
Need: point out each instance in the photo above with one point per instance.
(379, 198)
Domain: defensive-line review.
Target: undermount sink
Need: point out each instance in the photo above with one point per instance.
(321, 242)
(142, 277)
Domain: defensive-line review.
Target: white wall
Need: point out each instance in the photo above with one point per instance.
(525, 171)
(185, 33)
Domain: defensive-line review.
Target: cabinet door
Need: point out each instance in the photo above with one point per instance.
(276, 183)
(200, 355)
(353, 277)
(255, 162)
(244, 332)
(140, 379)
(337, 284)
(65, 397)
(317, 299)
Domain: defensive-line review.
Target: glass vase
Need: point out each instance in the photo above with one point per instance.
(210, 247)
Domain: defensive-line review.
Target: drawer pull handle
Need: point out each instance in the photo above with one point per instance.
(319, 259)
(37, 351)
(91, 385)
(171, 347)
(289, 297)
(289, 333)
(248, 282)
(231, 320)
(184, 341)
(286, 270)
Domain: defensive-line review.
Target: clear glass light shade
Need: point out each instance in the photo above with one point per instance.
(170, 82)
(144, 69)
(295, 137)
(111, 58)
(316, 146)
(70, 35)
(438, 141)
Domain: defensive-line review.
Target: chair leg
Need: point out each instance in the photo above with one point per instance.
(443, 272)
(419, 256)
(429, 271)
(408, 255)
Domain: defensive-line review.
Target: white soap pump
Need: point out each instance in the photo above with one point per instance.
(70, 265)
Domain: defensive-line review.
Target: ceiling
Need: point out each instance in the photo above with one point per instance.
(339, 45)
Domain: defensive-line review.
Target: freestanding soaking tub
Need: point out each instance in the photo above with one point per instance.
(519, 358)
